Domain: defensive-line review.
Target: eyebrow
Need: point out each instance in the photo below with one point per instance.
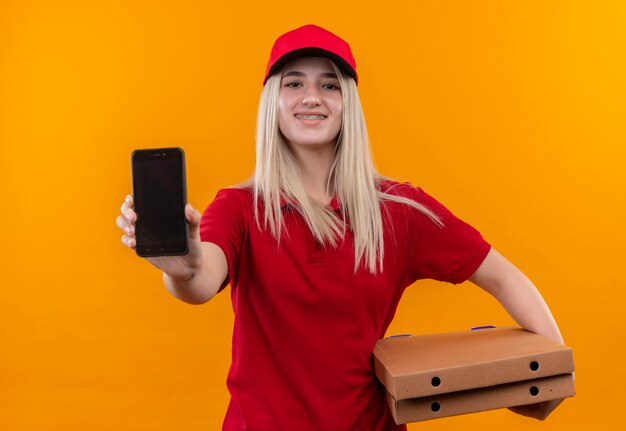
(300, 74)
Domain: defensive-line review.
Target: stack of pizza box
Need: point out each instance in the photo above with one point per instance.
(439, 375)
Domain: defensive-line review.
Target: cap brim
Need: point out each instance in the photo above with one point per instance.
(312, 52)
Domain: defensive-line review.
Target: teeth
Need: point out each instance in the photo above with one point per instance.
(310, 117)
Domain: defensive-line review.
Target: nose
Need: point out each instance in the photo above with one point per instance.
(311, 101)
(311, 98)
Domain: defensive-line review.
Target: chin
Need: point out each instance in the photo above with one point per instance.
(313, 143)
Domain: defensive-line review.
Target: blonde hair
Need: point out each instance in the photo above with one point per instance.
(353, 178)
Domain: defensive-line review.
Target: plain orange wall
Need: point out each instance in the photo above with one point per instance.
(510, 113)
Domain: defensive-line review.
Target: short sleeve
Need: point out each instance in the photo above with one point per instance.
(451, 253)
(224, 223)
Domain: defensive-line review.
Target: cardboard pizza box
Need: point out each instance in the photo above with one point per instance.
(424, 365)
(477, 400)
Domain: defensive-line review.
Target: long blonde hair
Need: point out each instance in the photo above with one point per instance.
(353, 178)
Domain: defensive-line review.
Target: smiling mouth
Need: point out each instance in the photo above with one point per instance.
(310, 117)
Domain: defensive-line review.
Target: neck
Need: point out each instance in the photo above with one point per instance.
(315, 164)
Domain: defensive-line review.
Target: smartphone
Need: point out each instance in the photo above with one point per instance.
(160, 195)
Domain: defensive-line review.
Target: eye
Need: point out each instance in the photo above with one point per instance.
(331, 86)
(293, 84)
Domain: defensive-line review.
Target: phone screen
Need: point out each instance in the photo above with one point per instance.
(159, 192)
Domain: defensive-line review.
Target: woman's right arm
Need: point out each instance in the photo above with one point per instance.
(195, 277)
(202, 283)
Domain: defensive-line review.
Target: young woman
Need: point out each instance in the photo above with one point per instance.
(318, 249)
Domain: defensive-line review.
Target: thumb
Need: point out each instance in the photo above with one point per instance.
(193, 218)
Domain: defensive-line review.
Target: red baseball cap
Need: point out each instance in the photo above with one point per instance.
(311, 41)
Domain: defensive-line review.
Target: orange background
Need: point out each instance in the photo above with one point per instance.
(510, 113)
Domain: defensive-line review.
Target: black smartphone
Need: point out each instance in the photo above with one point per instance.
(160, 195)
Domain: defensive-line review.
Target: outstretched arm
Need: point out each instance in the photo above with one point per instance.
(521, 299)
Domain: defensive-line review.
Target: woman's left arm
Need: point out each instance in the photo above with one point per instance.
(521, 299)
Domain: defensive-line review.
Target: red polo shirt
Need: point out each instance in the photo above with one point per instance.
(305, 324)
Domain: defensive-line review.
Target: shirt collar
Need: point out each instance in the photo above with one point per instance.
(334, 203)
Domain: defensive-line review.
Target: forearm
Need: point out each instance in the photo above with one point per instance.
(198, 288)
(517, 294)
(526, 306)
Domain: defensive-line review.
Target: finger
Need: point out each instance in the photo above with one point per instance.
(127, 208)
(128, 203)
(123, 224)
(129, 241)
(192, 214)
(193, 217)
(129, 214)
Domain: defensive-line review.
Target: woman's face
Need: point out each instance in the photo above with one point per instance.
(310, 103)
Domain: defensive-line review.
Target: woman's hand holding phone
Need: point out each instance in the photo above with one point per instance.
(179, 268)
